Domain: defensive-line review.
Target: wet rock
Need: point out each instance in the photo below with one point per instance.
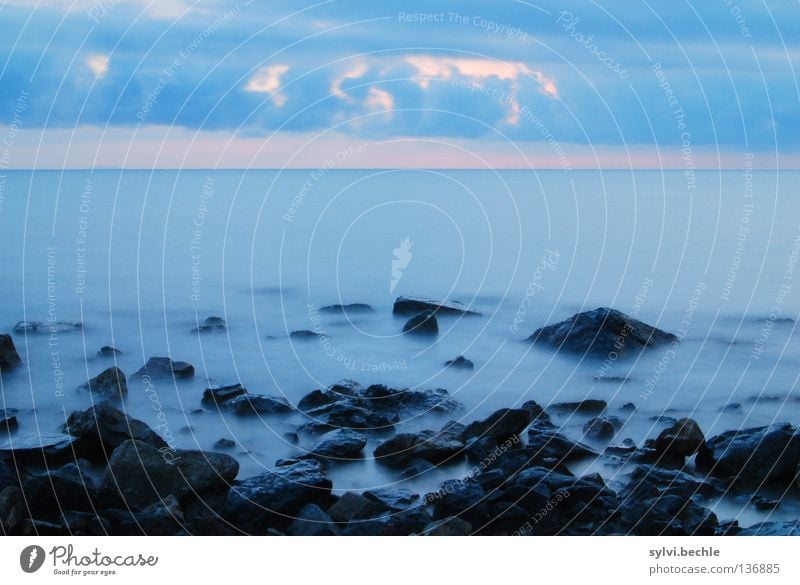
(787, 528)
(110, 383)
(273, 498)
(249, 404)
(547, 443)
(628, 407)
(765, 504)
(38, 450)
(501, 425)
(162, 518)
(12, 509)
(417, 467)
(602, 427)
(453, 526)
(216, 396)
(33, 327)
(460, 362)
(648, 481)
(422, 324)
(349, 308)
(108, 352)
(9, 358)
(627, 447)
(303, 334)
(211, 325)
(465, 499)
(67, 488)
(102, 428)
(666, 516)
(224, 444)
(8, 425)
(409, 305)
(589, 406)
(162, 367)
(602, 331)
(680, 440)
(392, 499)
(349, 416)
(753, 456)
(352, 506)
(291, 437)
(405, 523)
(312, 520)
(431, 446)
(408, 402)
(139, 475)
(339, 444)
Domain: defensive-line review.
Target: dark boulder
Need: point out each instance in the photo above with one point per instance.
(303, 334)
(224, 444)
(312, 520)
(216, 396)
(164, 517)
(460, 362)
(432, 446)
(139, 475)
(501, 425)
(404, 523)
(108, 352)
(161, 367)
(753, 456)
(602, 331)
(110, 383)
(409, 305)
(453, 526)
(211, 325)
(353, 506)
(33, 327)
(602, 427)
(786, 528)
(680, 440)
(392, 499)
(546, 443)
(273, 498)
(422, 324)
(8, 424)
(38, 450)
(341, 444)
(68, 488)
(408, 402)
(465, 499)
(13, 510)
(588, 406)
(249, 404)
(102, 428)
(9, 358)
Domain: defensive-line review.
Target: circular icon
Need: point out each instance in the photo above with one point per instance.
(31, 558)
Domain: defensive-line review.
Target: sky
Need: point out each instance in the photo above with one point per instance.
(395, 84)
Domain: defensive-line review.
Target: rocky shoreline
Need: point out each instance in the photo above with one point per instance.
(106, 473)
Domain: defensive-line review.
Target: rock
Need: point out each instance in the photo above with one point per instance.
(547, 443)
(273, 498)
(732, 407)
(31, 327)
(317, 398)
(348, 416)
(405, 523)
(224, 444)
(589, 406)
(162, 518)
(408, 305)
(312, 521)
(786, 528)
(628, 407)
(627, 447)
(453, 526)
(666, 516)
(68, 488)
(417, 467)
(648, 481)
(408, 402)
(12, 509)
(303, 334)
(431, 446)
(248, 404)
(422, 324)
(501, 425)
(110, 383)
(765, 504)
(350, 308)
(102, 428)
(392, 499)
(680, 440)
(38, 450)
(139, 475)
(602, 427)
(108, 352)
(753, 456)
(460, 362)
(9, 358)
(216, 396)
(465, 499)
(352, 506)
(164, 367)
(8, 425)
(339, 444)
(211, 325)
(602, 331)
(291, 437)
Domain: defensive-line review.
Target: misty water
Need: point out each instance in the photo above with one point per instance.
(141, 258)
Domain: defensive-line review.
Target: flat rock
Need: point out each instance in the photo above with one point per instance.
(251, 404)
(602, 331)
(410, 305)
(40, 449)
(303, 334)
(34, 327)
(349, 308)
(216, 396)
(588, 406)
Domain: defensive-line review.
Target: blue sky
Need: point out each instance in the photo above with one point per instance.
(566, 84)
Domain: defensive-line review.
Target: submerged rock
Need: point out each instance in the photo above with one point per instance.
(31, 327)
(110, 383)
(108, 352)
(211, 325)
(165, 367)
(224, 444)
(460, 362)
(222, 394)
(589, 406)
(602, 427)
(303, 334)
(9, 358)
(350, 308)
(602, 331)
(422, 324)
(408, 305)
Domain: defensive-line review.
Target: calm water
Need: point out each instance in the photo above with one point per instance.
(140, 257)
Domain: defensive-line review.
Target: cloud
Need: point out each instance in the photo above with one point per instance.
(98, 65)
(355, 72)
(268, 80)
(379, 100)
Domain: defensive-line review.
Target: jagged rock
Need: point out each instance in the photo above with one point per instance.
(9, 358)
(273, 498)
(501, 425)
(12, 509)
(392, 499)
(212, 325)
(248, 404)
(108, 352)
(786, 528)
(31, 327)
(602, 331)
(602, 427)
(404, 523)
(422, 324)
(680, 440)
(460, 362)
(165, 367)
(312, 520)
(139, 475)
(110, 383)
(547, 443)
(408, 305)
